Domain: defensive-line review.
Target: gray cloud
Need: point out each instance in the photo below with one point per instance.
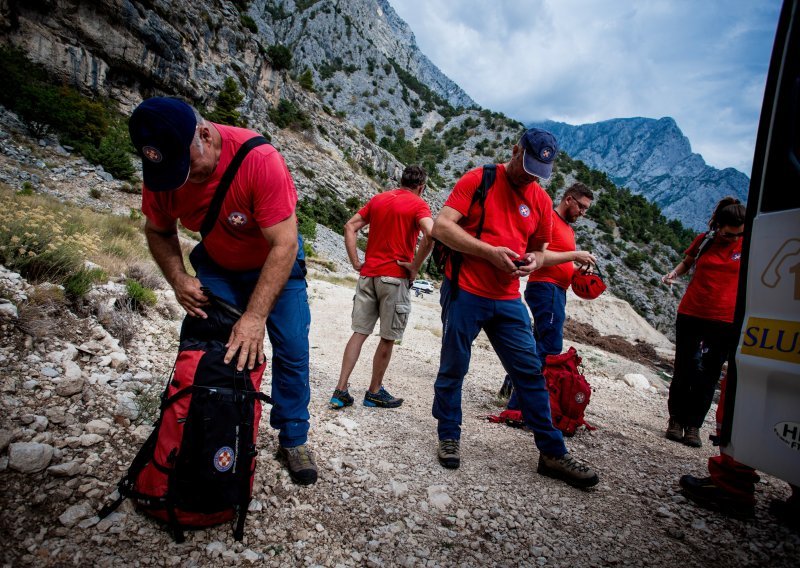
(703, 63)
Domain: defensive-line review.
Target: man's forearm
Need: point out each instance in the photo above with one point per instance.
(272, 279)
(350, 245)
(166, 251)
(423, 250)
(551, 258)
(455, 237)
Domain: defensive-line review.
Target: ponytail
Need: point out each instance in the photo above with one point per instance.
(734, 211)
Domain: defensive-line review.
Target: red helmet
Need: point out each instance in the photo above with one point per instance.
(588, 285)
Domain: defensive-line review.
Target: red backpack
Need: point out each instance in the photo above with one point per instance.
(196, 468)
(569, 395)
(569, 391)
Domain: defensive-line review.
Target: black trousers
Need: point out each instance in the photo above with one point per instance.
(701, 348)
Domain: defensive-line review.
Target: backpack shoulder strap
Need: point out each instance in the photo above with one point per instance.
(487, 181)
(222, 189)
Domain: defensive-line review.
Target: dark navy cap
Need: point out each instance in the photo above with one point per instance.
(539, 149)
(162, 130)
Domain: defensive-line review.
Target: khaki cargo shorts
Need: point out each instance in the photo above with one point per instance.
(384, 297)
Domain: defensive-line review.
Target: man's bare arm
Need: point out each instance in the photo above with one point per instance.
(423, 250)
(166, 250)
(552, 258)
(247, 336)
(351, 229)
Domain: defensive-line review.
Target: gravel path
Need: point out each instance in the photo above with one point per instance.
(382, 499)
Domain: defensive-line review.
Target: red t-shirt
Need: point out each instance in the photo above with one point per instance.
(262, 194)
(513, 218)
(711, 293)
(563, 240)
(393, 218)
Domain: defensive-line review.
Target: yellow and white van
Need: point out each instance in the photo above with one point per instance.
(761, 425)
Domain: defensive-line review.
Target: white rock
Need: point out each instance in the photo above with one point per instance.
(67, 469)
(438, 497)
(49, 372)
(637, 381)
(398, 488)
(98, 427)
(69, 386)
(8, 310)
(90, 439)
(115, 518)
(251, 556)
(347, 423)
(71, 369)
(142, 432)
(76, 513)
(29, 457)
(215, 547)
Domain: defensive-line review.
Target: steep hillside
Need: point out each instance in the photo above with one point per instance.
(341, 89)
(653, 158)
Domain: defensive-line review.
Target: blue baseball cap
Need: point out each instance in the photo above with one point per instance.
(539, 149)
(162, 130)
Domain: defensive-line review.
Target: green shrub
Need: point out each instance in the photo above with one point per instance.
(634, 259)
(95, 193)
(27, 188)
(139, 296)
(306, 225)
(280, 56)
(369, 131)
(288, 114)
(225, 109)
(307, 80)
(248, 23)
(79, 283)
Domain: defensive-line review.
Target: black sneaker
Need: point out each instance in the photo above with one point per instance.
(674, 431)
(300, 463)
(567, 469)
(702, 491)
(382, 398)
(449, 453)
(691, 437)
(340, 399)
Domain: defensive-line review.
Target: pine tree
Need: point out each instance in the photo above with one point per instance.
(227, 102)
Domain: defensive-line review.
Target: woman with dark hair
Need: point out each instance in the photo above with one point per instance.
(704, 333)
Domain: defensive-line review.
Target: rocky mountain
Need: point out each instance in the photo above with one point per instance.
(654, 158)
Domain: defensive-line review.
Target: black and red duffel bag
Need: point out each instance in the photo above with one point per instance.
(196, 468)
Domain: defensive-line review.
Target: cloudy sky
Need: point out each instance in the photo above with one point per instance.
(703, 63)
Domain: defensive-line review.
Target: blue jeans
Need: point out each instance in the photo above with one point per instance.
(548, 304)
(287, 328)
(508, 326)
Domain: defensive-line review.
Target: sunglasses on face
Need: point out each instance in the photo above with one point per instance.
(581, 207)
(727, 235)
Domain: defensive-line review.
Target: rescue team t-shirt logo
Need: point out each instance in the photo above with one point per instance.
(237, 219)
(736, 256)
(223, 459)
(524, 210)
(152, 154)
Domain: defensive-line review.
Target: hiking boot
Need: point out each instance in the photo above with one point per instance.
(702, 491)
(382, 398)
(449, 453)
(340, 399)
(674, 431)
(567, 469)
(692, 437)
(300, 463)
